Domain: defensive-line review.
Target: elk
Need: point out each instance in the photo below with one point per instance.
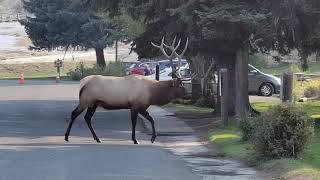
(134, 92)
(173, 54)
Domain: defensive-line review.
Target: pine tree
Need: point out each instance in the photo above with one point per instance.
(69, 23)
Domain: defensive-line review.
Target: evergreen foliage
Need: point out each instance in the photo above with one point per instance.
(69, 23)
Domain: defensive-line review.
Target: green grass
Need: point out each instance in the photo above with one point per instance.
(308, 164)
(64, 78)
(230, 144)
(262, 106)
(189, 108)
(36, 70)
(312, 107)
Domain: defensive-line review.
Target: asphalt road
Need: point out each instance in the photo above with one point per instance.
(32, 147)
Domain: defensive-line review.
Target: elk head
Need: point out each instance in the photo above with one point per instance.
(173, 48)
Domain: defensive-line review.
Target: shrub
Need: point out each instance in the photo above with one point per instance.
(247, 126)
(112, 69)
(307, 89)
(282, 131)
(204, 102)
(312, 88)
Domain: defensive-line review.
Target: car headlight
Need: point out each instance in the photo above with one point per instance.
(278, 81)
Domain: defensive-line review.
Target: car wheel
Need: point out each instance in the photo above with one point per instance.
(266, 89)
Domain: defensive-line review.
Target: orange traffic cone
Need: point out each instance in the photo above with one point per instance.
(21, 81)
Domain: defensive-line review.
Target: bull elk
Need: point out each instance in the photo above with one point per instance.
(132, 92)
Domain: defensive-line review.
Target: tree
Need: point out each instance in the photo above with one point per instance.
(68, 23)
(299, 21)
(228, 31)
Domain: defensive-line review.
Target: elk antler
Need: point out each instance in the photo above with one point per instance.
(173, 49)
(179, 56)
(161, 47)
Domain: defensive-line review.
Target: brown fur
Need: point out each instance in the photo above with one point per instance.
(163, 92)
(131, 92)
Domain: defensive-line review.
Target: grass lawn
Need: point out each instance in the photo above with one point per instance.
(308, 164)
(36, 70)
(188, 108)
(230, 144)
(313, 108)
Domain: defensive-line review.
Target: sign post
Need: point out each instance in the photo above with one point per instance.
(58, 65)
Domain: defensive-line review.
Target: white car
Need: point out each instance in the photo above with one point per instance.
(166, 74)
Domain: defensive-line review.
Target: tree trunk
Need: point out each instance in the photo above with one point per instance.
(100, 57)
(228, 61)
(116, 58)
(304, 63)
(318, 56)
(241, 80)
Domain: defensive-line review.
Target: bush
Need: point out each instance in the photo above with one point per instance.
(204, 102)
(247, 126)
(312, 89)
(306, 89)
(282, 131)
(112, 69)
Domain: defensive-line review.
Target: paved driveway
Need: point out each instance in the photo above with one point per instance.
(32, 124)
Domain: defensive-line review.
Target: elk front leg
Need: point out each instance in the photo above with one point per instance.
(146, 114)
(134, 114)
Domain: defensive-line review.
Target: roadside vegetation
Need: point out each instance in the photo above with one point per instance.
(300, 121)
(69, 70)
(231, 143)
(264, 64)
(112, 69)
(37, 70)
(314, 68)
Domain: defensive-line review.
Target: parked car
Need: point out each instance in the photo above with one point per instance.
(140, 68)
(166, 73)
(261, 83)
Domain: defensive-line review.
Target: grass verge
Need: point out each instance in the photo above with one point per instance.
(228, 139)
(306, 166)
(39, 71)
(188, 108)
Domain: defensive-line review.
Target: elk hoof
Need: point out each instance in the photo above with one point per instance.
(153, 138)
(98, 140)
(66, 139)
(135, 142)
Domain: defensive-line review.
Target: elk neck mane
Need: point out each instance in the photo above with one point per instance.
(161, 93)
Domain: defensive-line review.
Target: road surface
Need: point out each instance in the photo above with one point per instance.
(32, 124)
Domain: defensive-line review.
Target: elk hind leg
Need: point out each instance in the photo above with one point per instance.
(87, 117)
(75, 113)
